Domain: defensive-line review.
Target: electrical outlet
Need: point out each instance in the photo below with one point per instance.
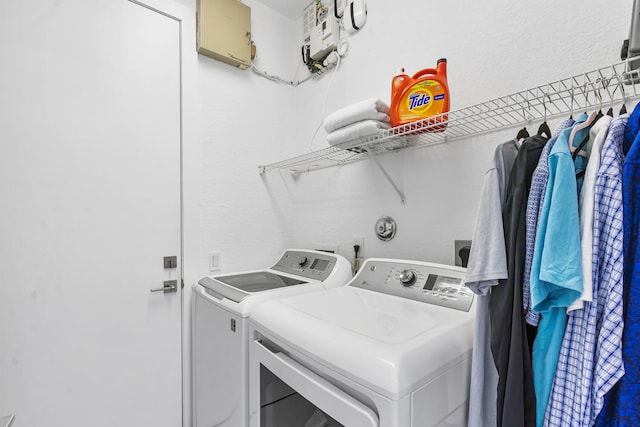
(359, 240)
(214, 261)
(462, 248)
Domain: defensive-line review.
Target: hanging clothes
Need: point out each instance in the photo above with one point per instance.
(487, 264)
(608, 234)
(534, 205)
(580, 144)
(590, 359)
(509, 340)
(556, 273)
(598, 134)
(621, 404)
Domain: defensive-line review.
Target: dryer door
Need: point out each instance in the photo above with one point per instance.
(285, 393)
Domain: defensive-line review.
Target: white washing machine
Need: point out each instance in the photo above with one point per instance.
(221, 307)
(390, 349)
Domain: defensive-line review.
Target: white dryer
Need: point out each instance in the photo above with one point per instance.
(221, 307)
(390, 349)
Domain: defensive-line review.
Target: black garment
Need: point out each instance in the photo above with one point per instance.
(510, 342)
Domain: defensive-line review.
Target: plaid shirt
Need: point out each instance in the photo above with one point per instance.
(591, 356)
(621, 403)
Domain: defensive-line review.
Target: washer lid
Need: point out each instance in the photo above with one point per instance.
(258, 281)
(237, 287)
(389, 344)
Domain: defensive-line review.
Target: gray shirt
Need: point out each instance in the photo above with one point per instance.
(487, 264)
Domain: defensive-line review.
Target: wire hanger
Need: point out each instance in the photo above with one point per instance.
(599, 114)
(623, 109)
(577, 150)
(572, 99)
(585, 92)
(611, 94)
(523, 133)
(544, 129)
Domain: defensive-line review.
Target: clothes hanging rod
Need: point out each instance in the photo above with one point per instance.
(600, 88)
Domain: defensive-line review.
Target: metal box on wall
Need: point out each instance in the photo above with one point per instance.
(224, 31)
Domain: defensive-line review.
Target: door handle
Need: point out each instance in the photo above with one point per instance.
(169, 286)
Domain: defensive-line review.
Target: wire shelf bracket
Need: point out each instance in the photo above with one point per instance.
(403, 199)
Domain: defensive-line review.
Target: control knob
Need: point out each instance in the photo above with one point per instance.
(407, 278)
(302, 260)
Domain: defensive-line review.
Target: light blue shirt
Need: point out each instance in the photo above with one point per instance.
(534, 206)
(556, 269)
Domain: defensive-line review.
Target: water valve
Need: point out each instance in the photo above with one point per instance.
(385, 228)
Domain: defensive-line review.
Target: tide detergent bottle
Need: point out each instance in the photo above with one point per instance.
(424, 95)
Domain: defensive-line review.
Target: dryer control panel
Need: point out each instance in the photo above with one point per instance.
(310, 264)
(421, 281)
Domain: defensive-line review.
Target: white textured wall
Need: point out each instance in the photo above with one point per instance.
(493, 48)
(244, 118)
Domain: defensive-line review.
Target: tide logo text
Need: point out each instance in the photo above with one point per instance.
(419, 99)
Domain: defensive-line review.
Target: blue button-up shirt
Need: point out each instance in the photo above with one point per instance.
(590, 360)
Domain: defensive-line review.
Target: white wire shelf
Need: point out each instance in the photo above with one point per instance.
(601, 88)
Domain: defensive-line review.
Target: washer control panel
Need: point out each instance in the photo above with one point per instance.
(421, 281)
(310, 264)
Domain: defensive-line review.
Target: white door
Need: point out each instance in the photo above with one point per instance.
(90, 152)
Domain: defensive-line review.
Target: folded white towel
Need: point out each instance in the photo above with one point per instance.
(355, 131)
(372, 108)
